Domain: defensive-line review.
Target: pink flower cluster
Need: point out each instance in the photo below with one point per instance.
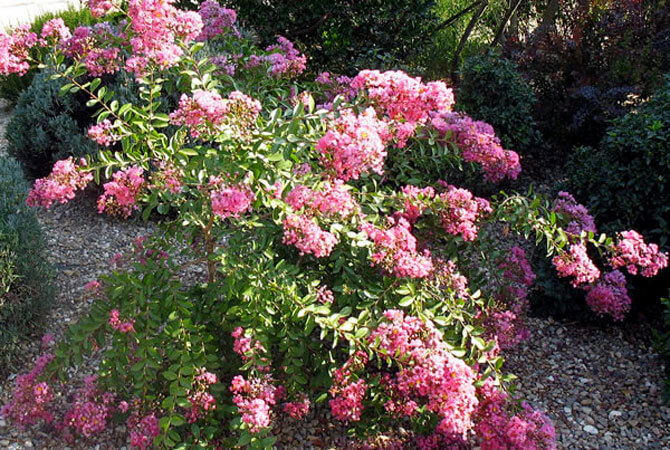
(54, 31)
(244, 347)
(333, 200)
(91, 45)
(116, 324)
(347, 392)
(31, 399)
(576, 263)
(354, 144)
(325, 295)
(229, 200)
(395, 250)
(478, 144)
(65, 178)
(498, 427)
(14, 50)
(632, 253)
(459, 212)
(298, 409)
(306, 235)
(405, 100)
(254, 399)
(285, 59)
(507, 326)
(340, 85)
(156, 25)
(448, 276)
(90, 410)
(100, 8)
(609, 295)
(216, 20)
(103, 133)
(429, 374)
(416, 200)
(201, 400)
(143, 430)
(206, 113)
(122, 193)
(167, 178)
(580, 219)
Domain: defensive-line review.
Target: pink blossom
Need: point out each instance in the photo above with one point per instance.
(167, 178)
(54, 30)
(460, 211)
(416, 200)
(66, 177)
(14, 50)
(254, 398)
(609, 296)
(580, 219)
(201, 400)
(478, 143)
(633, 253)
(298, 410)
(229, 200)
(576, 263)
(307, 236)
(217, 20)
(333, 200)
(142, 430)
(395, 250)
(31, 399)
(116, 324)
(91, 409)
(285, 59)
(354, 144)
(325, 295)
(100, 8)
(122, 193)
(103, 133)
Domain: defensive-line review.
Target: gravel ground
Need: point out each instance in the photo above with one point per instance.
(601, 388)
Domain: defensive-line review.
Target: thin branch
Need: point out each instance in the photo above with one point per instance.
(455, 17)
(464, 38)
(504, 21)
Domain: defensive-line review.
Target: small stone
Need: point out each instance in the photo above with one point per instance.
(590, 429)
(614, 414)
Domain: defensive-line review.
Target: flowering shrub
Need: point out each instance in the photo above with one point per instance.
(324, 281)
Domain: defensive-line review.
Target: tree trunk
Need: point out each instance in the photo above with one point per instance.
(464, 39)
(503, 23)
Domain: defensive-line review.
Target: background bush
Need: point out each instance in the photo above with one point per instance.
(46, 126)
(12, 85)
(25, 288)
(493, 90)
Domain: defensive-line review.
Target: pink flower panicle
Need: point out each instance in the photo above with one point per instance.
(415, 201)
(478, 144)
(14, 50)
(66, 177)
(396, 252)
(123, 192)
(116, 324)
(167, 178)
(609, 295)
(407, 101)
(143, 430)
(100, 8)
(217, 20)
(306, 235)
(580, 219)
(347, 392)
(298, 409)
(285, 59)
(499, 427)
(31, 399)
(103, 133)
(54, 31)
(576, 263)
(229, 200)
(325, 296)
(90, 411)
(448, 276)
(333, 200)
(354, 144)
(254, 399)
(201, 400)
(633, 253)
(334, 86)
(460, 211)
(206, 113)
(429, 374)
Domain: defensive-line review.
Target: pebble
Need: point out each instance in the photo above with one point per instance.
(590, 429)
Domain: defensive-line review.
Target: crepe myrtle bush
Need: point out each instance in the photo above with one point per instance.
(323, 280)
